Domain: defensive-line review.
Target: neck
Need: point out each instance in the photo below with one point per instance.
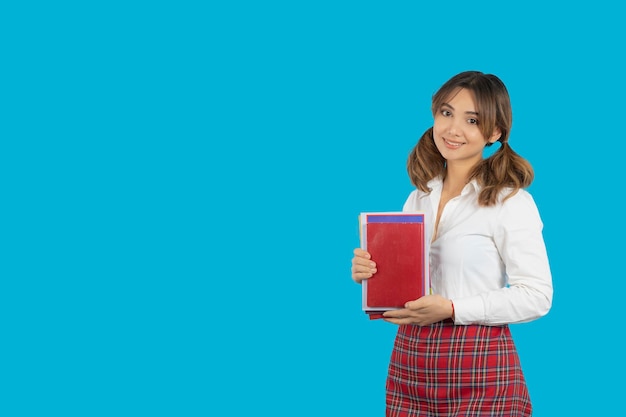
(456, 177)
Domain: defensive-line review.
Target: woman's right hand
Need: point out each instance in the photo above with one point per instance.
(362, 265)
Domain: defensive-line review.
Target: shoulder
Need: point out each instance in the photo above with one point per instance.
(519, 208)
(510, 198)
(417, 197)
(413, 200)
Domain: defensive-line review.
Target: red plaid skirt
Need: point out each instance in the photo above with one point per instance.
(449, 370)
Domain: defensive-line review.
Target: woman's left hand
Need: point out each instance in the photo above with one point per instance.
(425, 310)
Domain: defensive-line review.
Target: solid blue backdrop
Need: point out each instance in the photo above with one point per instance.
(181, 183)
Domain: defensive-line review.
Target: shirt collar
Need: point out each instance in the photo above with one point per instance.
(436, 184)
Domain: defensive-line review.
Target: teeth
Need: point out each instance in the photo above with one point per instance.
(452, 143)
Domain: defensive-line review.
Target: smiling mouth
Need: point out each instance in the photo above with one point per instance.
(453, 144)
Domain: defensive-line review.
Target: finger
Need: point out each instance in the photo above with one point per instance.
(416, 304)
(360, 269)
(363, 267)
(362, 253)
(357, 260)
(397, 314)
(358, 277)
(398, 321)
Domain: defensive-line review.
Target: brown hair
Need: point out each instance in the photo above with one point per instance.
(504, 168)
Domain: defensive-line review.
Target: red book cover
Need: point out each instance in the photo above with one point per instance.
(396, 242)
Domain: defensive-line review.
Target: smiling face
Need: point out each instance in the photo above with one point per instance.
(456, 130)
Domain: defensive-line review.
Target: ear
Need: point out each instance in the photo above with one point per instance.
(497, 134)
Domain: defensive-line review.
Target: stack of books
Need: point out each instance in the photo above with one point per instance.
(395, 240)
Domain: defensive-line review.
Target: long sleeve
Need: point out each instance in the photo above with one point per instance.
(527, 294)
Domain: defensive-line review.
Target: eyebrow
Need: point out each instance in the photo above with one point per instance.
(452, 108)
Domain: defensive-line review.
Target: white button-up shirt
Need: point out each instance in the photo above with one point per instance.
(490, 261)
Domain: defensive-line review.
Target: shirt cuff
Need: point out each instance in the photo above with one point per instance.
(470, 310)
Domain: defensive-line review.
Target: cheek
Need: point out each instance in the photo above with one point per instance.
(478, 137)
(437, 135)
(438, 129)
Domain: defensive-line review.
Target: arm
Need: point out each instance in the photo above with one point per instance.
(528, 295)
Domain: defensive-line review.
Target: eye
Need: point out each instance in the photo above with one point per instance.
(446, 113)
(472, 121)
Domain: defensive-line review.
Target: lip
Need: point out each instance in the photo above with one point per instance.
(452, 145)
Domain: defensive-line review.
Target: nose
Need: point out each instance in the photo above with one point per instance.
(453, 127)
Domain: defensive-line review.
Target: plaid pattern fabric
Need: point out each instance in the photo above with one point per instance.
(448, 370)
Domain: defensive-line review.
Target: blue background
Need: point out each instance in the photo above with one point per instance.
(181, 182)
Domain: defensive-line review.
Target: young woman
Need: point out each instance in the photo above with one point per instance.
(453, 354)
